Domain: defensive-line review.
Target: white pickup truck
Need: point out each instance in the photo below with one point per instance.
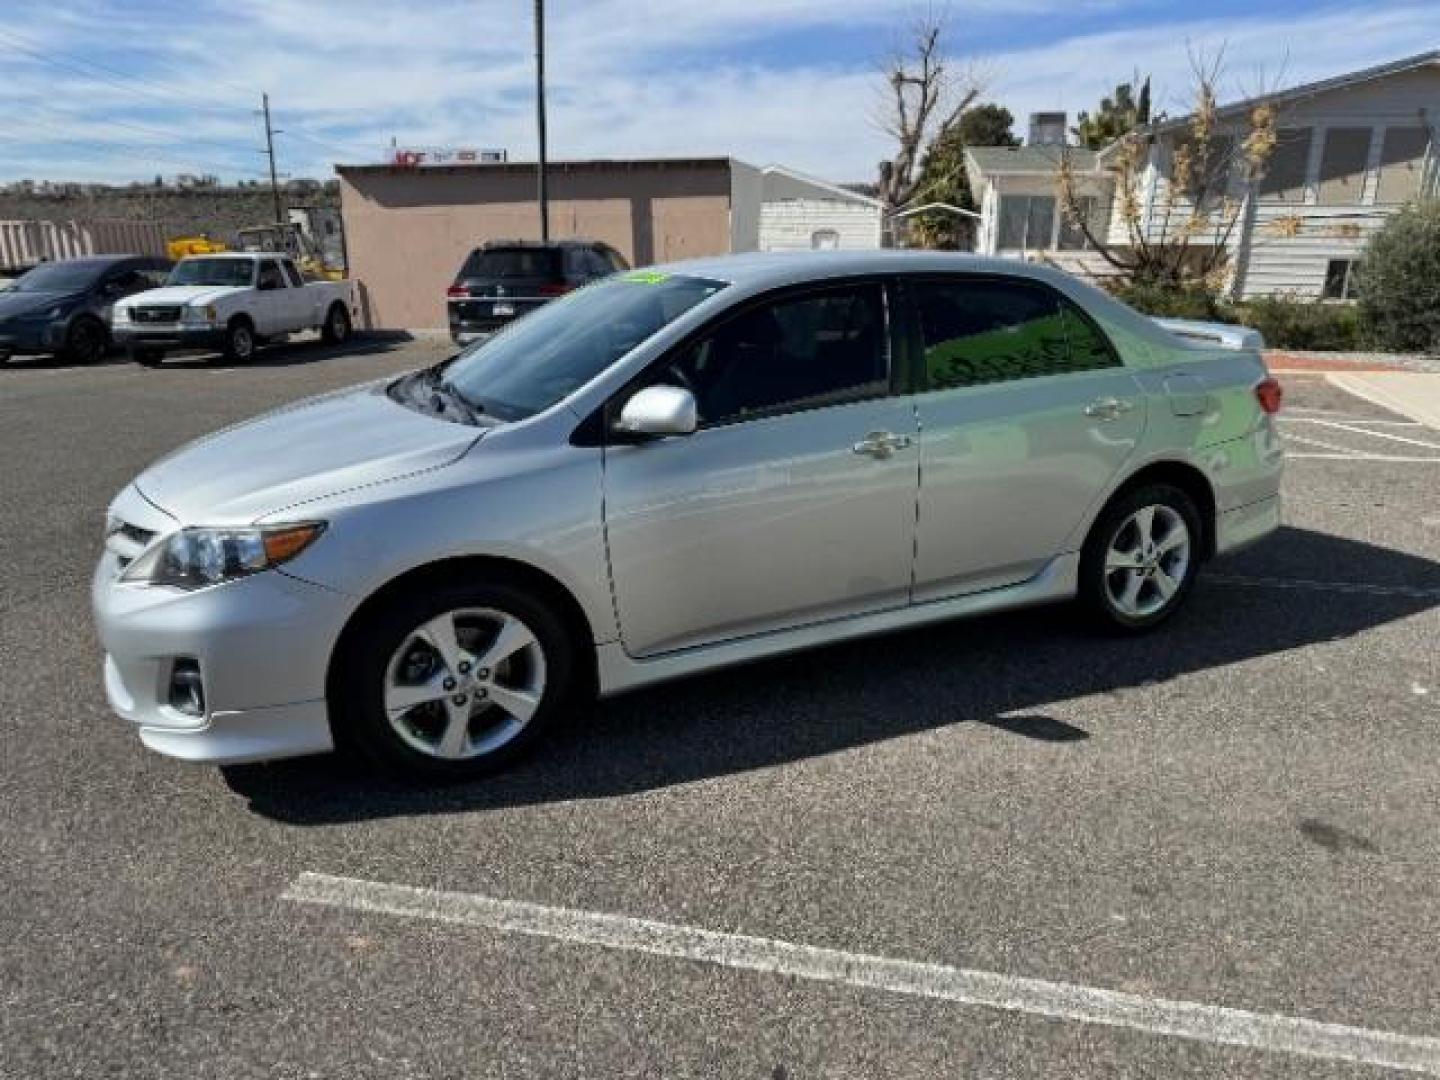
(230, 303)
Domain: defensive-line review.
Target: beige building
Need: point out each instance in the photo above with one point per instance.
(407, 230)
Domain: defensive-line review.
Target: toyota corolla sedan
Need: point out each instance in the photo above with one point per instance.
(665, 472)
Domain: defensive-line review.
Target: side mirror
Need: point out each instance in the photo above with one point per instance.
(659, 410)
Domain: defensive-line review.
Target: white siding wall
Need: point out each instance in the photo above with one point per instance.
(790, 224)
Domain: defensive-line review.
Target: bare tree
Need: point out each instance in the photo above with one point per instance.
(1215, 165)
(922, 101)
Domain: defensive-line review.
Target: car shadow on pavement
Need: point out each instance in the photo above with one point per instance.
(293, 353)
(1001, 671)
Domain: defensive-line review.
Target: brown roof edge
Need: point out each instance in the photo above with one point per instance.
(559, 166)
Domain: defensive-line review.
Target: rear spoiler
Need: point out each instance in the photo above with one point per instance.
(1221, 335)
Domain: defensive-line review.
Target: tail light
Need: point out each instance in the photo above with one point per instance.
(458, 291)
(1269, 394)
(556, 288)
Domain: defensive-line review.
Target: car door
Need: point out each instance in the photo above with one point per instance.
(273, 314)
(1027, 414)
(793, 502)
(303, 304)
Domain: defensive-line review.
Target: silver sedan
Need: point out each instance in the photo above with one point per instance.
(665, 472)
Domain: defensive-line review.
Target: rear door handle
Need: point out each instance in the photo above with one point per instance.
(1108, 408)
(881, 444)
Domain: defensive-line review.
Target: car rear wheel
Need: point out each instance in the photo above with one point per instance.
(1140, 559)
(85, 342)
(336, 330)
(240, 342)
(456, 683)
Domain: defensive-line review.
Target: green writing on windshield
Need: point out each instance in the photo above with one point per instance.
(647, 277)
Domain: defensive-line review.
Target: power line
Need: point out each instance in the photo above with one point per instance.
(129, 149)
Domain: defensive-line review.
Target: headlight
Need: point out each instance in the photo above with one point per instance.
(199, 314)
(120, 314)
(196, 558)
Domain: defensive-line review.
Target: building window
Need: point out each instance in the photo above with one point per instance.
(1342, 165)
(1402, 161)
(1071, 237)
(1027, 223)
(1284, 179)
(825, 240)
(1340, 279)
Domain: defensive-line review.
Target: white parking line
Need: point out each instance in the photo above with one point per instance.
(1354, 430)
(1061, 1001)
(1336, 452)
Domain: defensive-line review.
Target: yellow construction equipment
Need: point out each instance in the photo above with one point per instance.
(181, 246)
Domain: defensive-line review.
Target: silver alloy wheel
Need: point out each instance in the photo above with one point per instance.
(1147, 560)
(464, 683)
(242, 342)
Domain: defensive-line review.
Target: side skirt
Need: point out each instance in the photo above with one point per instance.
(620, 672)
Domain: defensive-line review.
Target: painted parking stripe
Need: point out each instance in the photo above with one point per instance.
(1355, 430)
(1037, 997)
(1362, 588)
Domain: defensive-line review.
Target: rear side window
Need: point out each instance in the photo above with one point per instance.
(805, 352)
(981, 331)
(296, 281)
(512, 263)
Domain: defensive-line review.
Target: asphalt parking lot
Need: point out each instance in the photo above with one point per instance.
(1241, 810)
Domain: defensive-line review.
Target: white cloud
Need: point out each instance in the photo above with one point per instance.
(627, 77)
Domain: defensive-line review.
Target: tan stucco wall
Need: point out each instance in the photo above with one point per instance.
(407, 231)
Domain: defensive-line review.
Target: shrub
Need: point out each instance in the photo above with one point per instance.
(1171, 302)
(1399, 283)
(1287, 323)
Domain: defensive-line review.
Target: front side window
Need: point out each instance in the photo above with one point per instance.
(804, 352)
(987, 331)
(542, 358)
(270, 275)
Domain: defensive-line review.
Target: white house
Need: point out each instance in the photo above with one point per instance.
(1350, 150)
(796, 212)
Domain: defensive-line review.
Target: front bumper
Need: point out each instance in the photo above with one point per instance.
(31, 338)
(176, 336)
(263, 646)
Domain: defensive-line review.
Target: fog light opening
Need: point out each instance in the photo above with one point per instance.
(187, 688)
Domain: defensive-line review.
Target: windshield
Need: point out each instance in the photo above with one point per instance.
(235, 272)
(58, 277)
(548, 354)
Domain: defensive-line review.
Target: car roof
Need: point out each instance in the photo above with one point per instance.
(767, 269)
(491, 245)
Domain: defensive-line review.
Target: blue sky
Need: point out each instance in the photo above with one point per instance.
(123, 89)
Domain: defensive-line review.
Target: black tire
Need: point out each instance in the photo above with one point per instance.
(358, 714)
(1115, 526)
(336, 330)
(240, 341)
(85, 342)
(146, 355)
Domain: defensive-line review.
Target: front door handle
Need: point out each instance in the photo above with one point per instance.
(1108, 408)
(881, 444)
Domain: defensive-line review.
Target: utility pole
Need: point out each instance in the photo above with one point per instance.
(270, 153)
(543, 193)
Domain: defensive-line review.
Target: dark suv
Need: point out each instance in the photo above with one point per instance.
(504, 279)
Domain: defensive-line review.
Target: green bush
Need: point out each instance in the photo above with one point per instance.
(1399, 283)
(1301, 324)
(1285, 322)
(1170, 302)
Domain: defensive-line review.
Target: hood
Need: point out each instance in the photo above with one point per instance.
(14, 304)
(322, 446)
(184, 294)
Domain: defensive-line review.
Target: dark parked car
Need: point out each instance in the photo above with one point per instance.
(64, 307)
(504, 279)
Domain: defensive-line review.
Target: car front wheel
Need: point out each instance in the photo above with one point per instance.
(240, 342)
(454, 684)
(1140, 560)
